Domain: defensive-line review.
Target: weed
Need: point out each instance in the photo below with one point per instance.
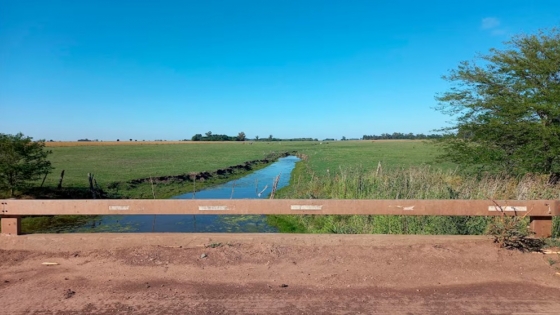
(511, 232)
(552, 243)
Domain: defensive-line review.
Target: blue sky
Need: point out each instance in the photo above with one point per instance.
(170, 69)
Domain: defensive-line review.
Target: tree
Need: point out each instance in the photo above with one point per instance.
(209, 134)
(21, 161)
(197, 137)
(270, 138)
(343, 138)
(256, 138)
(241, 136)
(507, 108)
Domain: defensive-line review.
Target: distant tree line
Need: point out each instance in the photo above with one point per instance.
(301, 139)
(83, 140)
(271, 138)
(209, 136)
(401, 136)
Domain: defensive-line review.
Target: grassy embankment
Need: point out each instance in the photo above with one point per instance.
(408, 171)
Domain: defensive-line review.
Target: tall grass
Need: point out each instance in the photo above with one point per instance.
(423, 182)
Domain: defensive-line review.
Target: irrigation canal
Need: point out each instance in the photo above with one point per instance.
(253, 186)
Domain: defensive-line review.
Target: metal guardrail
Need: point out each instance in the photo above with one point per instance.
(540, 212)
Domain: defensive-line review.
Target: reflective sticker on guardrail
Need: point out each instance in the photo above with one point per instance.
(213, 208)
(410, 208)
(507, 208)
(119, 208)
(306, 207)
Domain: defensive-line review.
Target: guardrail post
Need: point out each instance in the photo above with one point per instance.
(541, 226)
(11, 225)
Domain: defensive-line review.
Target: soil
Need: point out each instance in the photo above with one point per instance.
(272, 274)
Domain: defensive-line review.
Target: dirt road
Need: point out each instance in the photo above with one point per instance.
(272, 274)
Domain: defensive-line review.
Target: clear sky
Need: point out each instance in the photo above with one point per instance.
(171, 69)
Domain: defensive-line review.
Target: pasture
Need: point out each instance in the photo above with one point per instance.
(124, 161)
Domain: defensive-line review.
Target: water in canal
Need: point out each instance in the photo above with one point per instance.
(253, 186)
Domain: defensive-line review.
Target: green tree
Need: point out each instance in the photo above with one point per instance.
(506, 108)
(197, 137)
(241, 136)
(21, 161)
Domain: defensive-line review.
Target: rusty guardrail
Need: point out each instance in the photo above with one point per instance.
(540, 212)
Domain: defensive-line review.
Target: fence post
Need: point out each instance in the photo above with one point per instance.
(11, 225)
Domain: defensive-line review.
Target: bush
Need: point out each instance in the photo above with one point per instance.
(21, 161)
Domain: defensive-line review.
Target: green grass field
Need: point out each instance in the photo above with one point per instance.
(367, 154)
(119, 163)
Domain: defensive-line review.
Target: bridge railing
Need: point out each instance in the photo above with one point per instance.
(540, 212)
